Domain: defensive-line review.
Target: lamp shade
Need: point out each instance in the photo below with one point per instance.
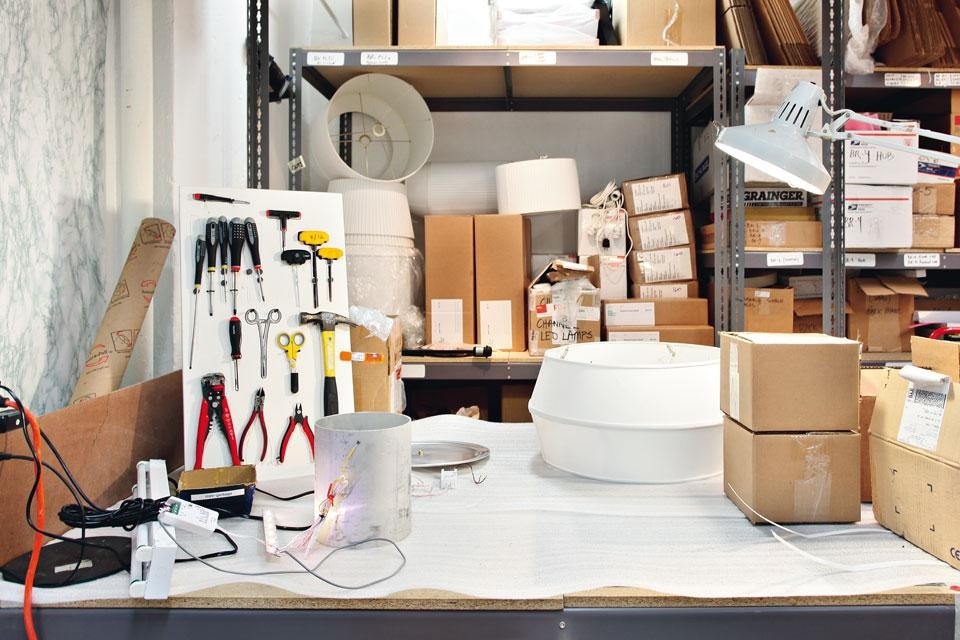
(779, 147)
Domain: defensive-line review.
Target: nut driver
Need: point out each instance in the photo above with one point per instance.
(295, 258)
(328, 255)
(198, 256)
(211, 234)
(283, 216)
(234, 331)
(314, 239)
(253, 241)
(223, 228)
(237, 239)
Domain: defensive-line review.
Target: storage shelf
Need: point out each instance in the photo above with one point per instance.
(899, 78)
(856, 259)
(503, 365)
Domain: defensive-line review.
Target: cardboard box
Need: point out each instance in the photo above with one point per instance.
(870, 164)
(464, 23)
(688, 23)
(377, 385)
(661, 231)
(662, 265)
(648, 313)
(760, 196)
(372, 23)
(609, 276)
(564, 307)
(703, 335)
(935, 199)
(768, 234)
(227, 490)
(701, 187)
(872, 382)
(601, 231)
(790, 382)
(805, 286)
(688, 289)
(808, 315)
(933, 231)
(655, 195)
(778, 214)
(878, 217)
(955, 131)
(769, 310)
(936, 355)
(449, 279)
(417, 23)
(514, 397)
(502, 253)
(882, 312)
(792, 478)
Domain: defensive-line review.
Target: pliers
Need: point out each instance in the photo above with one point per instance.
(257, 413)
(304, 422)
(214, 414)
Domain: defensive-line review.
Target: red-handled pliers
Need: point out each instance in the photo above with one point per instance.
(304, 422)
(214, 413)
(257, 413)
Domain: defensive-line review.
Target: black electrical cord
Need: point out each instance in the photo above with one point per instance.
(285, 498)
(216, 554)
(128, 515)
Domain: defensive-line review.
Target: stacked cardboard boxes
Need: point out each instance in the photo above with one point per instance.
(934, 223)
(791, 450)
(563, 307)
(882, 312)
(663, 320)
(778, 218)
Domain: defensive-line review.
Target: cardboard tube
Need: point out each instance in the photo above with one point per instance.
(124, 316)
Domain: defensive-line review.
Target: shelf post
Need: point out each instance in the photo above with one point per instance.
(297, 58)
(832, 211)
(258, 95)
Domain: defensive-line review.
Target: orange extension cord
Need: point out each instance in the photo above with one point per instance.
(37, 537)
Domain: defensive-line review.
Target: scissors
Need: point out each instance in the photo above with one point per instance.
(291, 343)
(263, 327)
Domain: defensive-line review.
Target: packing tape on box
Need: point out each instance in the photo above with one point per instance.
(537, 186)
(374, 208)
(453, 188)
(120, 327)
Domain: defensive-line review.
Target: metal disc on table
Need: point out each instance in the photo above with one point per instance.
(425, 455)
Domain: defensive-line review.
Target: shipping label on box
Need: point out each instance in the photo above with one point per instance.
(878, 217)
(661, 231)
(446, 320)
(687, 289)
(668, 311)
(870, 164)
(655, 195)
(663, 265)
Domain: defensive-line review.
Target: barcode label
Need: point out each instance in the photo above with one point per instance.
(923, 412)
(927, 398)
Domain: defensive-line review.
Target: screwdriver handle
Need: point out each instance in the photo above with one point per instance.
(235, 337)
(237, 238)
(253, 240)
(224, 234)
(212, 238)
(198, 256)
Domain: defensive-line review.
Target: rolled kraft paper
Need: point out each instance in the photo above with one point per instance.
(123, 319)
(537, 186)
(453, 188)
(374, 208)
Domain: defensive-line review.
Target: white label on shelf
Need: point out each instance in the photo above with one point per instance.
(785, 259)
(921, 260)
(413, 371)
(669, 59)
(860, 260)
(901, 80)
(325, 59)
(537, 57)
(922, 418)
(379, 58)
(946, 79)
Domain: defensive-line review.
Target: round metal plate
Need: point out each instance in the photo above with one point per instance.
(425, 455)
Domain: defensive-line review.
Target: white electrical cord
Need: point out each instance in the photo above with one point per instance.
(609, 220)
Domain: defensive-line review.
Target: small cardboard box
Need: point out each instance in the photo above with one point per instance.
(648, 313)
(662, 265)
(808, 315)
(869, 164)
(792, 478)
(449, 279)
(502, 253)
(934, 199)
(377, 385)
(564, 307)
(372, 23)
(655, 195)
(416, 23)
(688, 289)
(769, 310)
(937, 355)
(878, 217)
(666, 23)
(660, 231)
(790, 382)
(805, 286)
(227, 490)
(882, 312)
(872, 381)
(609, 276)
(684, 334)
(933, 231)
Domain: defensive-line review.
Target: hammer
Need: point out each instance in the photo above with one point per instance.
(328, 322)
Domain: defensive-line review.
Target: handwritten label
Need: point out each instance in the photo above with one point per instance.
(537, 57)
(921, 260)
(652, 196)
(660, 232)
(863, 260)
(669, 59)
(785, 259)
(946, 79)
(379, 58)
(297, 165)
(901, 80)
(325, 59)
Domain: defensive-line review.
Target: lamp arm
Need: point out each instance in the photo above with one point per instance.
(833, 136)
(841, 116)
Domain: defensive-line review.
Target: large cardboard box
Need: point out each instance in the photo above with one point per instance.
(688, 289)
(878, 217)
(938, 355)
(872, 382)
(377, 385)
(808, 315)
(665, 23)
(655, 195)
(372, 23)
(882, 312)
(662, 265)
(792, 478)
(449, 279)
(790, 382)
(661, 230)
(647, 313)
(502, 253)
(933, 231)
(703, 334)
(935, 199)
(866, 163)
(416, 23)
(772, 234)
(609, 275)
(563, 307)
(769, 310)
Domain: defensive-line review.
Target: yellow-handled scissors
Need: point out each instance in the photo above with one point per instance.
(291, 343)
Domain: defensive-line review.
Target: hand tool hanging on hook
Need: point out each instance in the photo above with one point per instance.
(328, 322)
(314, 239)
(295, 258)
(198, 255)
(211, 235)
(263, 327)
(283, 216)
(304, 422)
(329, 255)
(237, 238)
(209, 197)
(235, 334)
(214, 416)
(253, 241)
(223, 236)
(256, 414)
(291, 343)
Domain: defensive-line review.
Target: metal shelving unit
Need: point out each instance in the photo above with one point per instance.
(857, 259)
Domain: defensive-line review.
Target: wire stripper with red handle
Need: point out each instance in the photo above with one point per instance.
(214, 415)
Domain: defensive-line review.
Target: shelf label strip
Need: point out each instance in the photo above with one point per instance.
(325, 59)
(901, 80)
(946, 79)
(921, 260)
(537, 57)
(785, 259)
(379, 58)
(669, 59)
(863, 260)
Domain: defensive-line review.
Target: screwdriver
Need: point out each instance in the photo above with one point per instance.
(197, 279)
(314, 239)
(360, 356)
(329, 254)
(234, 332)
(283, 216)
(253, 241)
(209, 197)
(212, 241)
(237, 238)
(224, 237)
(295, 258)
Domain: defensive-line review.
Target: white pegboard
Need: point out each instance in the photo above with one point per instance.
(322, 211)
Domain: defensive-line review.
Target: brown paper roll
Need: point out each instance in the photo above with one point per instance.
(124, 316)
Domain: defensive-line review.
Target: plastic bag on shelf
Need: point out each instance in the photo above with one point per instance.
(384, 277)
(376, 322)
(413, 325)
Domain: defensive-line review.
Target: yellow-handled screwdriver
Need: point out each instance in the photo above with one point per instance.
(329, 254)
(314, 239)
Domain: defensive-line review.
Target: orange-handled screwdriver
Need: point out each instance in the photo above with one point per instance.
(360, 356)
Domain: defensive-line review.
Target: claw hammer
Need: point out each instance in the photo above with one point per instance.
(328, 322)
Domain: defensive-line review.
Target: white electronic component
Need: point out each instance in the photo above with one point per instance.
(153, 549)
(270, 533)
(448, 478)
(188, 516)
